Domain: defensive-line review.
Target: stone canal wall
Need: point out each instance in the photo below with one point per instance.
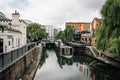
(29, 74)
(22, 65)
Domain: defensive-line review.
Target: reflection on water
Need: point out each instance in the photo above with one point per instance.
(54, 67)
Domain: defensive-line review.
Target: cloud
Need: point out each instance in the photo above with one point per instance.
(54, 12)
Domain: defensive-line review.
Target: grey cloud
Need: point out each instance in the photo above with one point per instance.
(93, 4)
(72, 10)
(57, 12)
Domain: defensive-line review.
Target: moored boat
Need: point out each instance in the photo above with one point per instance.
(66, 51)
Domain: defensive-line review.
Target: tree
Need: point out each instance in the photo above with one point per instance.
(108, 34)
(35, 32)
(67, 34)
(111, 13)
(59, 35)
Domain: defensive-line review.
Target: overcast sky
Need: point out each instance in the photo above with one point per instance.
(53, 12)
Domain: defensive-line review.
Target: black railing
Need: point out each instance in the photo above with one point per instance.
(10, 57)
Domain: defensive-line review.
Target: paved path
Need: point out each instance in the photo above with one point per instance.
(98, 56)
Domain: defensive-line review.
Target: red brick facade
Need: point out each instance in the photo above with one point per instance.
(81, 26)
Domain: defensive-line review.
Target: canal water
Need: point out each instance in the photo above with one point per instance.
(54, 67)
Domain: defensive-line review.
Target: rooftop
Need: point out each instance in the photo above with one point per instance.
(2, 16)
(8, 29)
(77, 22)
(99, 19)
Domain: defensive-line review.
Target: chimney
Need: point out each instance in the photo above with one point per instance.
(15, 16)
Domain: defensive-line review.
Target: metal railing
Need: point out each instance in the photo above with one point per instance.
(10, 57)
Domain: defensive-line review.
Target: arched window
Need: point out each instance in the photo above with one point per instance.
(2, 28)
(90, 39)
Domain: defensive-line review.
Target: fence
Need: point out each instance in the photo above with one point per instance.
(10, 57)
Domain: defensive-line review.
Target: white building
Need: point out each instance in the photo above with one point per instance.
(52, 31)
(49, 30)
(12, 33)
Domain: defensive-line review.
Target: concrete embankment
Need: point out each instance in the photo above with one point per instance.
(29, 74)
(24, 62)
(102, 57)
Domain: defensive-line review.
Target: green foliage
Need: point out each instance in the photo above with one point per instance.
(35, 32)
(69, 31)
(111, 13)
(108, 34)
(60, 35)
(114, 45)
(67, 34)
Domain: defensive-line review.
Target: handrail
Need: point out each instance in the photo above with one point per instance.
(9, 57)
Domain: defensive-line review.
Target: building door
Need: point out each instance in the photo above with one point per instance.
(1, 45)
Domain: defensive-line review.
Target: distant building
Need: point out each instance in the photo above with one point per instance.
(86, 37)
(83, 28)
(77, 36)
(95, 24)
(79, 26)
(55, 31)
(12, 33)
(52, 31)
(49, 30)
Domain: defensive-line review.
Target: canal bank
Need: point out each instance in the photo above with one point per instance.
(103, 57)
(81, 48)
(31, 70)
(14, 63)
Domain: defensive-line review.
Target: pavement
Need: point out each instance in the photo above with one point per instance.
(105, 58)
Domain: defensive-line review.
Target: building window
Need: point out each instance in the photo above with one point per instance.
(85, 39)
(97, 25)
(12, 42)
(82, 39)
(16, 42)
(9, 43)
(2, 28)
(90, 39)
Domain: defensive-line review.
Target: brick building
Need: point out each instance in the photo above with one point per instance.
(95, 24)
(80, 26)
(83, 28)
